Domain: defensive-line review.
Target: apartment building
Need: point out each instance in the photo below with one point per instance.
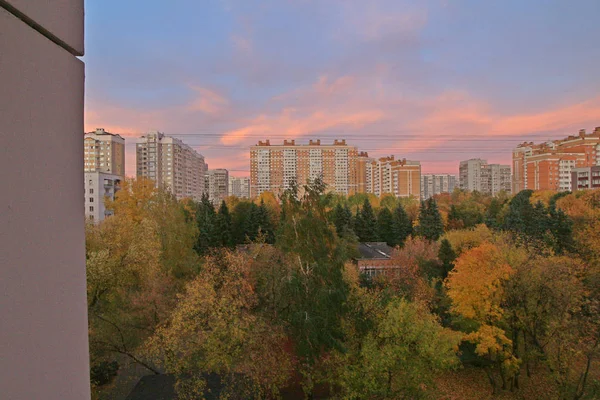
(549, 165)
(217, 185)
(239, 187)
(172, 164)
(104, 152)
(477, 175)
(585, 178)
(98, 187)
(273, 168)
(104, 169)
(432, 184)
(386, 175)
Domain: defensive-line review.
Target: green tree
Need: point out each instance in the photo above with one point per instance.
(366, 225)
(385, 227)
(316, 286)
(492, 215)
(430, 224)
(264, 221)
(206, 221)
(403, 226)
(447, 256)
(224, 226)
(342, 219)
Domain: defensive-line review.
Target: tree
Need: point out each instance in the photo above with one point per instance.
(264, 221)
(385, 227)
(136, 261)
(476, 287)
(398, 358)
(402, 226)
(316, 283)
(447, 257)
(342, 219)
(366, 225)
(430, 224)
(206, 220)
(215, 329)
(492, 216)
(223, 226)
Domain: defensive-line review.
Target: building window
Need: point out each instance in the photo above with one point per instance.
(91, 191)
(91, 199)
(91, 208)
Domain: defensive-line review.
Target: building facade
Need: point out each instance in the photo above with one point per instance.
(217, 185)
(98, 187)
(477, 175)
(274, 168)
(172, 164)
(585, 178)
(104, 169)
(549, 165)
(387, 175)
(104, 152)
(239, 187)
(432, 184)
(44, 335)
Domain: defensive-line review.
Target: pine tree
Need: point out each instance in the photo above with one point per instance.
(205, 218)
(520, 213)
(224, 226)
(342, 219)
(264, 222)
(561, 227)
(385, 227)
(366, 223)
(252, 223)
(447, 256)
(493, 213)
(430, 225)
(403, 226)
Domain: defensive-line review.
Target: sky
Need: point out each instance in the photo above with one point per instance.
(436, 81)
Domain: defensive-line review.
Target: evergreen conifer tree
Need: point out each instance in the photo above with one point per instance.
(403, 226)
(385, 227)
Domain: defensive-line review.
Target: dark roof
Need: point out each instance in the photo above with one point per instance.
(374, 250)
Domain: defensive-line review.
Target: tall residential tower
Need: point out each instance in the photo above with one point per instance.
(172, 164)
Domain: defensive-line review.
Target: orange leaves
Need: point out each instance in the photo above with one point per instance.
(475, 284)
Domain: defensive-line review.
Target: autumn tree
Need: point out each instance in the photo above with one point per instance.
(215, 329)
(137, 260)
(476, 287)
(447, 256)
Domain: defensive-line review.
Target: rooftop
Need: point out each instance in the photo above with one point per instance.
(375, 250)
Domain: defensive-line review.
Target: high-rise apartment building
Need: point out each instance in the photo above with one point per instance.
(432, 184)
(104, 168)
(477, 175)
(387, 175)
(548, 165)
(217, 185)
(239, 187)
(172, 164)
(273, 168)
(104, 152)
(585, 178)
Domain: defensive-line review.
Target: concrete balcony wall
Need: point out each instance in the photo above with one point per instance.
(43, 307)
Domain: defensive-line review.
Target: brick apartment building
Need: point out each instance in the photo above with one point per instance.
(549, 165)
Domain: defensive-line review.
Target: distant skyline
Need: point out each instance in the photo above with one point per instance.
(437, 81)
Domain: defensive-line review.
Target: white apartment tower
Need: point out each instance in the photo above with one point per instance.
(172, 164)
(239, 187)
(217, 185)
(432, 184)
(477, 175)
(104, 169)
